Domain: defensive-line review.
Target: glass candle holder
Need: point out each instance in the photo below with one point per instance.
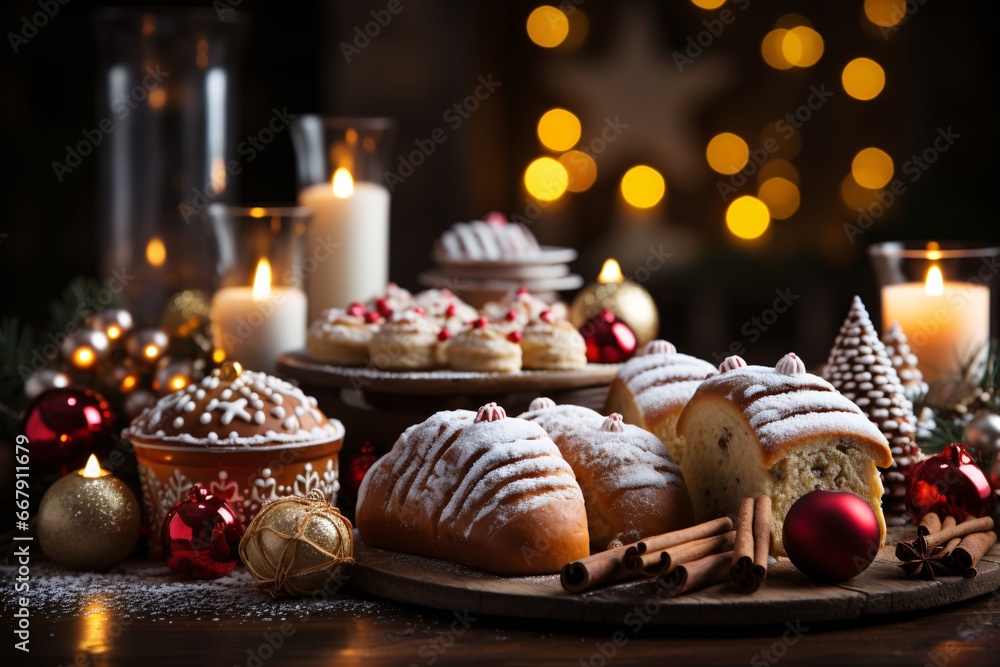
(341, 163)
(259, 308)
(940, 295)
(167, 100)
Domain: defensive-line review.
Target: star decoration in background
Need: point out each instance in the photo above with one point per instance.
(639, 84)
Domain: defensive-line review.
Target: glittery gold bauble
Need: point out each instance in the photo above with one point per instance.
(185, 313)
(88, 523)
(296, 546)
(627, 300)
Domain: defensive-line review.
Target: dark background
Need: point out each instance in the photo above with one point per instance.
(940, 67)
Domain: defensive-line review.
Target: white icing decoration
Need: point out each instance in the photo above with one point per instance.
(278, 412)
(259, 417)
(613, 423)
(178, 422)
(491, 412)
(732, 363)
(205, 418)
(541, 403)
(790, 364)
(659, 347)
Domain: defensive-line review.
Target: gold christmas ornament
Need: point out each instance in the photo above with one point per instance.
(626, 299)
(88, 519)
(295, 545)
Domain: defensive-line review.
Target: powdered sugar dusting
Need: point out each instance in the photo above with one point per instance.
(663, 382)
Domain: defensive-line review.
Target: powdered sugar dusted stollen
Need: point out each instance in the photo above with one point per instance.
(494, 495)
(631, 486)
(494, 241)
(650, 391)
(754, 431)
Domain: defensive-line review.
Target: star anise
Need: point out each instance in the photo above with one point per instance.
(919, 563)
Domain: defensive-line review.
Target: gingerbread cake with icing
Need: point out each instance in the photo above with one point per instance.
(651, 390)
(781, 432)
(479, 489)
(631, 486)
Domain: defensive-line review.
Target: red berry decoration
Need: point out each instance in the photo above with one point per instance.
(356, 309)
(514, 336)
(382, 306)
(372, 317)
(64, 426)
(608, 339)
(951, 484)
(511, 315)
(444, 335)
(201, 535)
(495, 217)
(546, 316)
(831, 535)
(450, 310)
(480, 323)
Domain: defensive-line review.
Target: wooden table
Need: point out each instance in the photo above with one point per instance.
(380, 633)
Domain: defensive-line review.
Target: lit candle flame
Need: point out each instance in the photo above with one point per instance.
(257, 212)
(611, 272)
(262, 281)
(343, 184)
(93, 468)
(934, 285)
(156, 252)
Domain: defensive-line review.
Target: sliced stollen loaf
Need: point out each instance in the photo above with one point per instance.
(650, 391)
(482, 490)
(754, 430)
(631, 486)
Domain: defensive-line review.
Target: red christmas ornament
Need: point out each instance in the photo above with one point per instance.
(609, 340)
(201, 535)
(950, 483)
(66, 425)
(831, 535)
(359, 465)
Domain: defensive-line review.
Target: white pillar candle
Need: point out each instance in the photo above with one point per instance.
(253, 325)
(947, 322)
(352, 219)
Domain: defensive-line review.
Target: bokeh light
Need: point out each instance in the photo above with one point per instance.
(708, 4)
(863, 78)
(643, 187)
(548, 26)
(747, 217)
(885, 13)
(778, 168)
(581, 168)
(727, 153)
(771, 49)
(546, 179)
(802, 46)
(855, 196)
(872, 168)
(559, 129)
(781, 197)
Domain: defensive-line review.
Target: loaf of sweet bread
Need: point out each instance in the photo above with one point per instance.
(479, 489)
(631, 486)
(780, 432)
(651, 390)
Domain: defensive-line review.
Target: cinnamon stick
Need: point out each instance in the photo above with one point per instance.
(698, 574)
(633, 553)
(753, 538)
(761, 534)
(594, 571)
(743, 551)
(672, 558)
(970, 550)
(964, 529)
(930, 524)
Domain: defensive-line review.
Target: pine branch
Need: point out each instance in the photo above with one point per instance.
(81, 299)
(17, 342)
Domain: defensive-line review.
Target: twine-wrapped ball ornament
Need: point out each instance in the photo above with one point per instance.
(296, 546)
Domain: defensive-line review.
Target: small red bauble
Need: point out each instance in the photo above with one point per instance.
(201, 535)
(831, 535)
(359, 465)
(951, 484)
(64, 426)
(609, 340)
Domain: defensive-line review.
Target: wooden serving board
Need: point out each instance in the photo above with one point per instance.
(444, 382)
(786, 596)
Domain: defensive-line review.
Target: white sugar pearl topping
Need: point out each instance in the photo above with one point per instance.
(542, 403)
(732, 363)
(659, 346)
(790, 364)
